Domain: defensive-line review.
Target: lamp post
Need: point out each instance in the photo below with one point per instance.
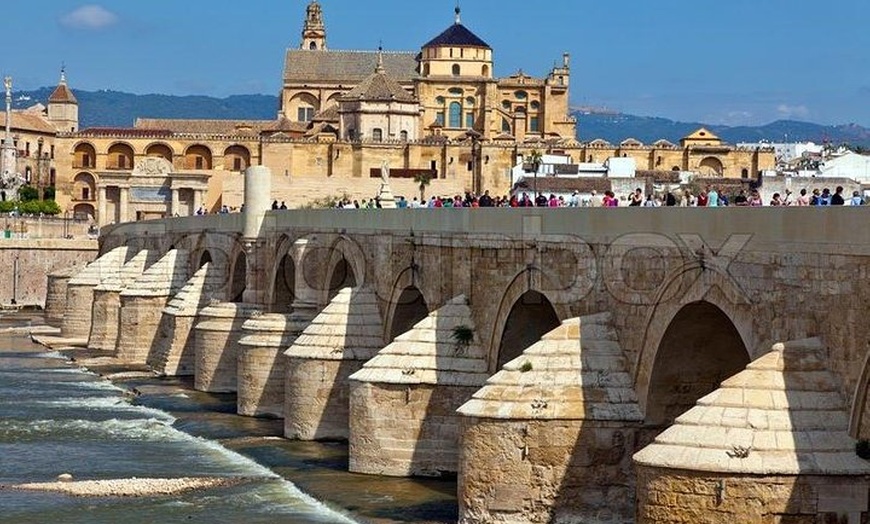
(476, 181)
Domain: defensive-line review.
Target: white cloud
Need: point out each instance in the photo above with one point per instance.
(787, 111)
(90, 16)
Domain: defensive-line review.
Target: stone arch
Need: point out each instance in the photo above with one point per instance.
(84, 212)
(303, 106)
(711, 166)
(694, 283)
(700, 348)
(346, 268)
(527, 288)
(160, 150)
(237, 158)
(407, 306)
(120, 156)
(84, 156)
(198, 156)
(282, 286)
(84, 187)
(204, 258)
(238, 277)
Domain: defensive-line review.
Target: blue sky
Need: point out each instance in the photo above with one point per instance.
(731, 62)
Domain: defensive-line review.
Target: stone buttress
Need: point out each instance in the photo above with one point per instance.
(55, 297)
(80, 293)
(261, 362)
(345, 335)
(403, 402)
(770, 445)
(550, 436)
(175, 353)
(217, 334)
(142, 304)
(107, 300)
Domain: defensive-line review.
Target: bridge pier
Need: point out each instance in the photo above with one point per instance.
(403, 402)
(217, 333)
(80, 294)
(347, 333)
(261, 363)
(550, 437)
(55, 297)
(175, 351)
(142, 304)
(771, 444)
(107, 301)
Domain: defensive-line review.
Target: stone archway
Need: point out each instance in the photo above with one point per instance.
(346, 268)
(239, 278)
(283, 288)
(204, 258)
(531, 317)
(711, 166)
(700, 348)
(408, 308)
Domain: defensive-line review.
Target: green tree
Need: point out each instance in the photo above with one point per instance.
(28, 193)
(423, 180)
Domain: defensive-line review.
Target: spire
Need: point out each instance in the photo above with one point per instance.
(458, 12)
(314, 30)
(380, 67)
(63, 74)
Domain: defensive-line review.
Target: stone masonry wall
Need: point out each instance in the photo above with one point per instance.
(317, 398)
(670, 496)
(554, 472)
(260, 382)
(36, 259)
(399, 430)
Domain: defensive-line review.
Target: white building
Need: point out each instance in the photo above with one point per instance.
(786, 152)
(848, 165)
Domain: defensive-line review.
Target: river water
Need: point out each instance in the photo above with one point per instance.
(58, 418)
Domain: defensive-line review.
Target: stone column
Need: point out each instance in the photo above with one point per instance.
(125, 201)
(217, 346)
(102, 219)
(306, 297)
(173, 210)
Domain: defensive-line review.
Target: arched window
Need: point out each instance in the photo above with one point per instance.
(377, 134)
(456, 70)
(484, 71)
(425, 69)
(506, 105)
(744, 173)
(403, 136)
(535, 105)
(455, 115)
(27, 174)
(312, 46)
(505, 125)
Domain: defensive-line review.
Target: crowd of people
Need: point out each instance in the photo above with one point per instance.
(680, 198)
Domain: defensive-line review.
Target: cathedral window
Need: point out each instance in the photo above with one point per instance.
(455, 115)
(535, 105)
(469, 101)
(521, 95)
(439, 118)
(456, 91)
(505, 125)
(534, 124)
(377, 134)
(456, 70)
(506, 105)
(439, 100)
(305, 114)
(469, 120)
(425, 69)
(403, 136)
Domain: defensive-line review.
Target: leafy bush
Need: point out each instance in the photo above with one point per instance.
(28, 194)
(31, 207)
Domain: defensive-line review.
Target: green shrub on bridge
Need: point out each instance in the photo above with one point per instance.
(31, 207)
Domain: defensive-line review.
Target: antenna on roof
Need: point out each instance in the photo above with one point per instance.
(458, 12)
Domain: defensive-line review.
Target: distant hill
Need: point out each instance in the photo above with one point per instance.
(617, 127)
(116, 109)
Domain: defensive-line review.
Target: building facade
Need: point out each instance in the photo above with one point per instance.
(439, 111)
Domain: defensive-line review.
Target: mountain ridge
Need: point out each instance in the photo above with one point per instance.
(116, 109)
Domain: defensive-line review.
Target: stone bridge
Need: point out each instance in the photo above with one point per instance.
(594, 365)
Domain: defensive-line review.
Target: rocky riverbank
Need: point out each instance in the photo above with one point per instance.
(127, 488)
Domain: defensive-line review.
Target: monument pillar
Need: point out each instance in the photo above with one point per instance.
(258, 192)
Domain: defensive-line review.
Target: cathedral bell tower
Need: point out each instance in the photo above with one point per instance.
(314, 32)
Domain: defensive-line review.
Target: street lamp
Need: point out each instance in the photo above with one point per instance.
(476, 181)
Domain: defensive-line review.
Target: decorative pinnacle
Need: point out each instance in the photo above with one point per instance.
(380, 67)
(458, 12)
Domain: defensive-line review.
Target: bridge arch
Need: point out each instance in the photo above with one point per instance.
(238, 276)
(527, 311)
(407, 306)
(282, 288)
(346, 268)
(704, 319)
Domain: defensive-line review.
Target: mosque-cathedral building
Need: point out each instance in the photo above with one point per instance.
(438, 112)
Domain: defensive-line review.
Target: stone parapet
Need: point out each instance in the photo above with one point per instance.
(175, 354)
(403, 402)
(217, 334)
(346, 334)
(550, 437)
(80, 293)
(142, 304)
(261, 363)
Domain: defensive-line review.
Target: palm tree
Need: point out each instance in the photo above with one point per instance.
(536, 158)
(423, 180)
